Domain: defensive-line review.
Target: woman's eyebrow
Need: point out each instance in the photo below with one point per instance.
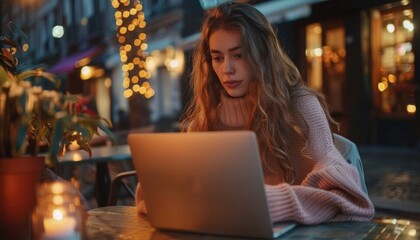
(230, 50)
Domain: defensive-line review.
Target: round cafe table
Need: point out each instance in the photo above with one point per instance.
(123, 222)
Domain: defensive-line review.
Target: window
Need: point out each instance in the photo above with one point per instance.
(314, 56)
(325, 61)
(393, 62)
(326, 65)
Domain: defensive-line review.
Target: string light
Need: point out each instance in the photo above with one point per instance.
(131, 23)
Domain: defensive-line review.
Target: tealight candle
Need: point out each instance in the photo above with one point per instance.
(59, 227)
(59, 214)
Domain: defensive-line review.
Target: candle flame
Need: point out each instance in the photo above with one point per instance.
(57, 215)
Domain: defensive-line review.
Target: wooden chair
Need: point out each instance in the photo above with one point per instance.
(116, 183)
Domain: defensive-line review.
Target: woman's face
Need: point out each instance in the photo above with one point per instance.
(228, 62)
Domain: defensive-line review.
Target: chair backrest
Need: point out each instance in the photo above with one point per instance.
(349, 151)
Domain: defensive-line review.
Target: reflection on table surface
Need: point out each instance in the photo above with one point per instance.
(99, 154)
(123, 222)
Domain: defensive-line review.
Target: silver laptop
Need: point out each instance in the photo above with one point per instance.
(204, 182)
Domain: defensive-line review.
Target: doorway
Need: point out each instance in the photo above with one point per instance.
(326, 66)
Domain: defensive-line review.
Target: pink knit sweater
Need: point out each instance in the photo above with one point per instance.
(326, 187)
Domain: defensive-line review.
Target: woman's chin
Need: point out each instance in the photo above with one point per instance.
(235, 94)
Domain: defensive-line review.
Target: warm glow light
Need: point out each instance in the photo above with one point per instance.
(411, 108)
(125, 2)
(142, 90)
(143, 46)
(136, 87)
(126, 82)
(142, 64)
(115, 4)
(412, 232)
(58, 199)
(150, 93)
(317, 52)
(392, 78)
(135, 79)
(130, 21)
(131, 27)
(123, 30)
(127, 47)
(77, 157)
(57, 188)
(382, 86)
(86, 72)
(57, 214)
(73, 146)
(133, 11)
(128, 93)
(390, 27)
(408, 25)
(174, 63)
(142, 73)
(126, 14)
(130, 66)
(317, 29)
(25, 47)
(108, 82)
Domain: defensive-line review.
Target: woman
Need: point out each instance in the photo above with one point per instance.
(243, 80)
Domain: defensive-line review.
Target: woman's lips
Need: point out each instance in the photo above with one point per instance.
(232, 83)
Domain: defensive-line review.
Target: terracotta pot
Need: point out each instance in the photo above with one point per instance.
(19, 178)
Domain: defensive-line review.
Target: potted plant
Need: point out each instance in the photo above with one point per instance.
(32, 117)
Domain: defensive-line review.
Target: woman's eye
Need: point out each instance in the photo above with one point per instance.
(238, 56)
(217, 58)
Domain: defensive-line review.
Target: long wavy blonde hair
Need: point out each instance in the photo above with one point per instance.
(275, 78)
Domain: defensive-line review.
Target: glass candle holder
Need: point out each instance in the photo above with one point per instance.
(59, 213)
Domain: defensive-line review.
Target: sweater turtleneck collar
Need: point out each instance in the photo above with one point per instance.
(233, 112)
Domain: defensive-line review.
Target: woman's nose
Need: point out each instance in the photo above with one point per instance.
(228, 67)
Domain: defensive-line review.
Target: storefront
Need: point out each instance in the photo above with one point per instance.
(362, 57)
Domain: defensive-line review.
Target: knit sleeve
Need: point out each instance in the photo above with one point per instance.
(325, 195)
(331, 191)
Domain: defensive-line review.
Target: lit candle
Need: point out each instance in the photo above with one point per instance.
(60, 227)
(73, 146)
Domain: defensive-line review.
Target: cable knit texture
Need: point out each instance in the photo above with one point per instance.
(326, 187)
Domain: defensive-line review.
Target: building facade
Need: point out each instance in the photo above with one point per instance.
(81, 42)
(360, 54)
